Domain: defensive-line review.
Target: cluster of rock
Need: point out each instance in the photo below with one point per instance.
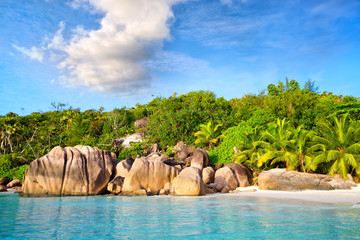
(283, 180)
(5, 184)
(84, 170)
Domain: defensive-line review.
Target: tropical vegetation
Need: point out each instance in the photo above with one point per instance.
(285, 125)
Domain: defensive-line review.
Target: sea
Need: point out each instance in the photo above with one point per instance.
(168, 217)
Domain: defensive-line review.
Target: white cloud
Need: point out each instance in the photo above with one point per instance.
(111, 58)
(33, 53)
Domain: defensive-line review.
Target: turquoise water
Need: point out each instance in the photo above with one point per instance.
(166, 217)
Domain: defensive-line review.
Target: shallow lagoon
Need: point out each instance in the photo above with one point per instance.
(167, 217)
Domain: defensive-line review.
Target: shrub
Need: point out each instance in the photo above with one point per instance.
(225, 151)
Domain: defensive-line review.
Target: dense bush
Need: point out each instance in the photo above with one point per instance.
(177, 118)
(225, 151)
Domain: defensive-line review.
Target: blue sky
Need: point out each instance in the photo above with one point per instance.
(111, 53)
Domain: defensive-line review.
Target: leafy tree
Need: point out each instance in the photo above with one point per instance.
(208, 135)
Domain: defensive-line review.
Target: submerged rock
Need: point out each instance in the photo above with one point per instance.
(188, 183)
(283, 180)
(79, 170)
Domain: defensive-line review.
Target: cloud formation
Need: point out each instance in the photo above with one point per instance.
(33, 53)
(110, 59)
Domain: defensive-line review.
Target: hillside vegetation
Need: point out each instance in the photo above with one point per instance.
(285, 125)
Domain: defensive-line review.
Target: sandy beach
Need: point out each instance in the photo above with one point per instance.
(333, 196)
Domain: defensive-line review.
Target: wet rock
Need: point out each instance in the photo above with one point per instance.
(188, 183)
(79, 170)
(283, 180)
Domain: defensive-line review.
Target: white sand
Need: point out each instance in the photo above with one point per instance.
(333, 196)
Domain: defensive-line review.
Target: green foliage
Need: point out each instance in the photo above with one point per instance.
(175, 119)
(208, 135)
(136, 150)
(225, 151)
(338, 146)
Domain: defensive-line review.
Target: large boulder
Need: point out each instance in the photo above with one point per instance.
(208, 174)
(79, 170)
(150, 176)
(188, 183)
(141, 123)
(200, 159)
(123, 167)
(283, 180)
(14, 183)
(225, 180)
(3, 181)
(242, 174)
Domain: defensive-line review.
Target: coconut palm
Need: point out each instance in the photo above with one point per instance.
(208, 134)
(338, 145)
(281, 144)
(251, 148)
(300, 146)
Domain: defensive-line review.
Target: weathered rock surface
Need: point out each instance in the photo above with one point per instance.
(133, 138)
(280, 179)
(225, 179)
(153, 149)
(3, 188)
(231, 176)
(242, 174)
(183, 151)
(123, 167)
(200, 159)
(188, 183)
(79, 170)
(218, 166)
(115, 186)
(141, 123)
(149, 176)
(208, 175)
(14, 183)
(3, 181)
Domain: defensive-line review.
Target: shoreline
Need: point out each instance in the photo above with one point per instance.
(320, 196)
(323, 196)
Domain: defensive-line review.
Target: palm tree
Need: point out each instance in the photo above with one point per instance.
(281, 144)
(338, 145)
(301, 155)
(208, 134)
(251, 148)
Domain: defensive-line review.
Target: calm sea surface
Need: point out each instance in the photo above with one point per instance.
(166, 217)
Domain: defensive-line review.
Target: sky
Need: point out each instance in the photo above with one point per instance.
(114, 53)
